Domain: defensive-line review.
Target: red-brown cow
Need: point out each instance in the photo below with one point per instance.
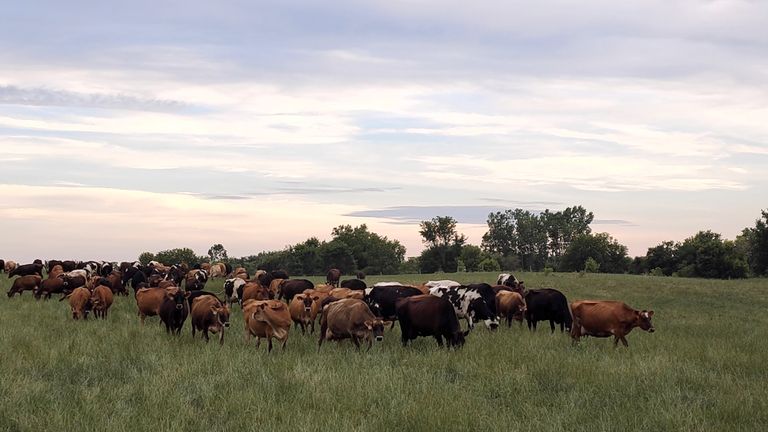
(608, 318)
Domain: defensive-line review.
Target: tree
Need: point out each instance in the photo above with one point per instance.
(444, 242)
(609, 254)
(146, 257)
(501, 237)
(374, 254)
(471, 256)
(707, 255)
(753, 243)
(517, 232)
(662, 256)
(217, 253)
(563, 227)
(337, 254)
(178, 256)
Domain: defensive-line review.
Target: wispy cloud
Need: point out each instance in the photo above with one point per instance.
(14, 95)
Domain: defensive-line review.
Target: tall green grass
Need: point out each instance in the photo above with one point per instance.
(704, 369)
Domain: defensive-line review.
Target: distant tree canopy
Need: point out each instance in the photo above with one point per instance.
(172, 256)
(444, 245)
(217, 253)
(605, 253)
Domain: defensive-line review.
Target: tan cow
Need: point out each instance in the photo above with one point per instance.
(301, 311)
(80, 302)
(149, 300)
(101, 299)
(209, 315)
(607, 318)
(55, 271)
(10, 266)
(218, 270)
(510, 305)
(255, 291)
(267, 319)
(316, 304)
(342, 293)
(274, 287)
(350, 318)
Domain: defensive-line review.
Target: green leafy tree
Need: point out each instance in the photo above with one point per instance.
(591, 266)
(411, 265)
(146, 257)
(610, 255)
(663, 256)
(337, 254)
(373, 253)
(753, 245)
(563, 227)
(217, 253)
(178, 256)
(471, 256)
(707, 255)
(444, 244)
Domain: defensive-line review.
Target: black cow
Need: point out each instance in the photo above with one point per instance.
(106, 269)
(265, 279)
(51, 264)
(332, 277)
(27, 270)
(2, 265)
(382, 299)
(427, 315)
(547, 304)
(68, 265)
(360, 275)
(291, 287)
(279, 274)
(174, 311)
(137, 278)
(176, 274)
(355, 284)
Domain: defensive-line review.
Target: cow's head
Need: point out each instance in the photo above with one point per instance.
(221, 314)
(307, 301)
(479, 311)
(376, 327)
(178, 297)
(643, 320)
(457, 338)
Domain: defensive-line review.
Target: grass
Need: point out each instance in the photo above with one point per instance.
(704, 369)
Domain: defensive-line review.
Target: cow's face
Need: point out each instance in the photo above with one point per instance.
(222, 314)
(479, 310)
(376, 327)
(457, 338)
(644, 320)
(179, 298)
(307, 302)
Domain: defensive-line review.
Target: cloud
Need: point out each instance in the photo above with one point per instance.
(14, 95)
(467, 214)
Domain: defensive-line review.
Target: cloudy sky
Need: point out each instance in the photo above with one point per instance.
(147, 125)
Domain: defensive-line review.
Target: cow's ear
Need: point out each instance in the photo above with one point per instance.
(213, 309)
(650, 313)
(466, 333)
(315, 298)
(369, 324)
(187, 294)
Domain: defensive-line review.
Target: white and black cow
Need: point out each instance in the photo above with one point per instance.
(507, 279)
(442, 283)
(233, 290)
(472, 302)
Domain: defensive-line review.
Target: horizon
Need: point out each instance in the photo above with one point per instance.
(146, 127)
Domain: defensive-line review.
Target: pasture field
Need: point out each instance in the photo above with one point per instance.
(705, 368)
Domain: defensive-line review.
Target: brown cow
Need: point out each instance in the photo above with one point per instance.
(240, 272)
(255, 291)
(149, 300)
(607, 318)
(25, 283)
(333, 276)
(274, 287)
(55, 271)
(101, 299)
(209, 315)
(50, 286)
(10, 266)
(350, 318)
(510, 305)
(115, 283)
(218, 270)
(342, 293)
(267, 319)
(80, 302)
(316, 304)
(301, 311)
(206, 266)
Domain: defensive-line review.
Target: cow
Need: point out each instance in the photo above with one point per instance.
(360, 275)
(506, 277)
(195, 280)
(137, 279)
(74, 279)
(264, 278)
(290, 287)
(2, 265)
(428, 315)
(267, 319)
(106, 269)
(320, 295)
(174, 310)
(350, 318)
(149, 300)
(50, 286)
(195, 294)
(255, 291)
(240, 272)
(382, 299)
(68, 265)
(332, 277)
(442, 283)
(25, 283)
(227, 269)
(115, 282)
(204, 266)
(274, 287)
(472, 302)
(520, 289)
(510, 305)
(342, 293)
(233, 290)
(209, 314)
(101, 299)
(300, 308)
(355, 284)
(9, 266)
(79, 302)
(176, 274)
(547, 304)
(218, 270)
(55, 271)
(279, 274)
(608, 318)
(27, 270)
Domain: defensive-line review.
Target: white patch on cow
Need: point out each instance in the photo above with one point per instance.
(383, 284)
(368, 291)
(445, 283)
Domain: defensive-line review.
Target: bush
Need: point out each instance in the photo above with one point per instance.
(489, 265)
(658, 271)
(548, 271)
(591, 266)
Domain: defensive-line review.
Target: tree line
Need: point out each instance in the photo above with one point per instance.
(516, 239)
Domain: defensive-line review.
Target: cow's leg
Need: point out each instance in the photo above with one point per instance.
(193, 331)
(221, 337)
(356, 342)
(624, 341)
(439, 339)
(142, 317)
(551, 326)
(269, 338)
(370, 343)
(205, 334)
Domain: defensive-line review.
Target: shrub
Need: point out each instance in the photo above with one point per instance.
(591, 266)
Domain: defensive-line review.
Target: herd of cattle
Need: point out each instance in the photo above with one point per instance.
(271, 302)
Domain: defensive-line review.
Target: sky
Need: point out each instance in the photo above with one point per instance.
(146, 125)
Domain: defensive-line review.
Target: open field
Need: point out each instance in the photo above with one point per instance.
(705, 368)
